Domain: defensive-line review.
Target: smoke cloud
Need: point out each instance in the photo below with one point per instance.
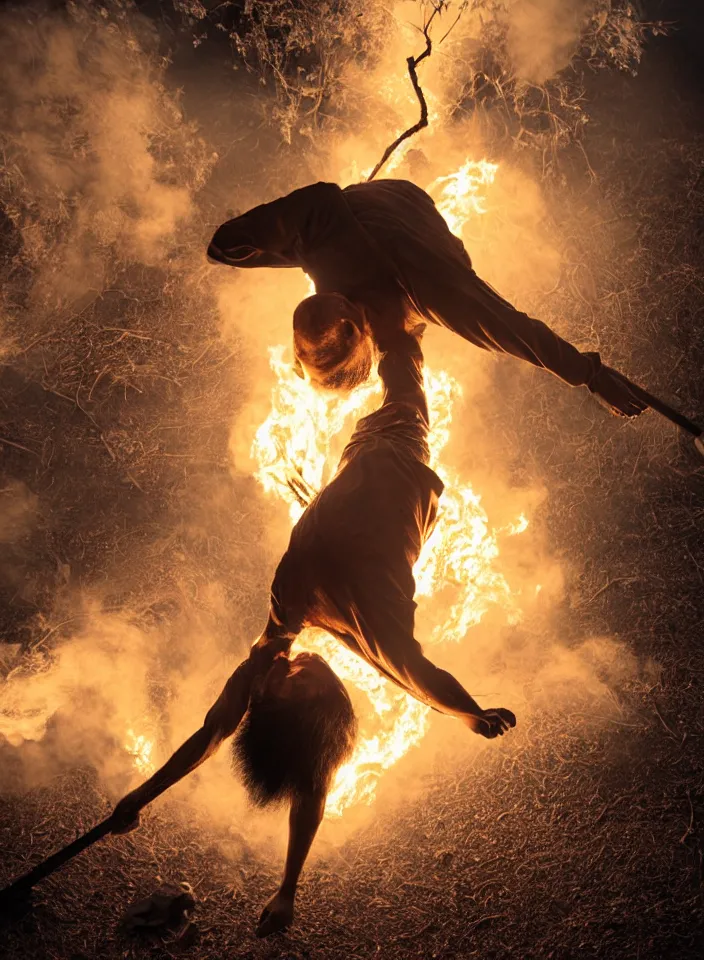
(543, 35)
(100, 166)
(105, 177)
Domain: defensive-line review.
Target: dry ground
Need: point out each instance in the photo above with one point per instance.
(556, 846)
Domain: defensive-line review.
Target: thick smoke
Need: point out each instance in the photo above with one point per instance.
(100, 166)
(103, 180)
(543, 35)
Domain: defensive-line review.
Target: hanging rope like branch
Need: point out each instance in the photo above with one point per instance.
(412, 63)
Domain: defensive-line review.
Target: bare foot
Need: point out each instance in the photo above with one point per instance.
(277, 915)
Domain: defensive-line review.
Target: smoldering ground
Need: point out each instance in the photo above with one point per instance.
(137, 548)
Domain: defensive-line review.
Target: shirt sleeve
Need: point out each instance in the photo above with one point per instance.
(312, 228)
(401, 371)
(479, 314)
(532, 340)
(269, 235)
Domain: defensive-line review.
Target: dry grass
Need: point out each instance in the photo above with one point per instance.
(558, 845)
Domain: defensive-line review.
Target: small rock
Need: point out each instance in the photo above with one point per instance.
(166, 909)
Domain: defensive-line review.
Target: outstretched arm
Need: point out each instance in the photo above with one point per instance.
(312, 228)
(305, 817)
(441, 691)
(221, 721)
(480, 315)
(401, 368)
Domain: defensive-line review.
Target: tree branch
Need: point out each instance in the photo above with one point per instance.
(412, 63)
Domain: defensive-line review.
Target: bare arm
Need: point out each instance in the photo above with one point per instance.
(221, 721)
(401, 369)
(305, 817)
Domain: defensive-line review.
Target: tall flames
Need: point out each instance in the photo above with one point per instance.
(298, 446)
(300, 443)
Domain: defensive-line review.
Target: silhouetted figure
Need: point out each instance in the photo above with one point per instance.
(348, 568)
(298, 729)
(386, 241)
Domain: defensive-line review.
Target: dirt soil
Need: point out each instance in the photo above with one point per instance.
(553, 845)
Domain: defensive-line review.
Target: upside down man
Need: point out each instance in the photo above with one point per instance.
(384, 243)
(348, 570)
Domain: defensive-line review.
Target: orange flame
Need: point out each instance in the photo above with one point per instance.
(301, 436)
(140, 748)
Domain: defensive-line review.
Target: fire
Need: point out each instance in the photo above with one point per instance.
(140, 748)
(391, 725)
(458, 195)
(298, 447)
(299, 444)
(301, 438)
(297, 439)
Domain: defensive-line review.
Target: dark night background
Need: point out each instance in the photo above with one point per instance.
(575, 839)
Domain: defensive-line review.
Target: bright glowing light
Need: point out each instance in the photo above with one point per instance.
(459, 195)
(141, 748)
(297, 439)
(300, 443)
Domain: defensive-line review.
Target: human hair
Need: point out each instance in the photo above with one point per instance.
(289, 747)
(350, 374)
(332, 342)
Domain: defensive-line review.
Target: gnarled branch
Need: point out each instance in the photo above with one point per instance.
(412, 63)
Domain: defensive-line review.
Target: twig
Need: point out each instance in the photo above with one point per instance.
(690, 826)
(18, 446)
(482, 920)
(606, 587)
(665, 725)
(412, 63)
(299, 487)
(35, 647)
(103, 439)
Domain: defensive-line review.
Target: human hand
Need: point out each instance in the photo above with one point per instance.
(614, 392)
(276, 916)
(494, 723)
(125, 816)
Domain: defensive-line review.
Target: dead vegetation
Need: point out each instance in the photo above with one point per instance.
(577, 838)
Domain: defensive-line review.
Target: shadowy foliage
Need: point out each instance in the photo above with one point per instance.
(529, 94)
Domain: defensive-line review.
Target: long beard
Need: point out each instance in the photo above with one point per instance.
(284, 752)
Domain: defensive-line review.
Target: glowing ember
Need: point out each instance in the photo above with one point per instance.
(139, 747)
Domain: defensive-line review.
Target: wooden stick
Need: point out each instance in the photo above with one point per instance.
(666, 411)
(21, 887)
(659, 406)
(412, 63)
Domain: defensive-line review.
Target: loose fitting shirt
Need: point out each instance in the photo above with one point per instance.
(384, 238)
(349, 565)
